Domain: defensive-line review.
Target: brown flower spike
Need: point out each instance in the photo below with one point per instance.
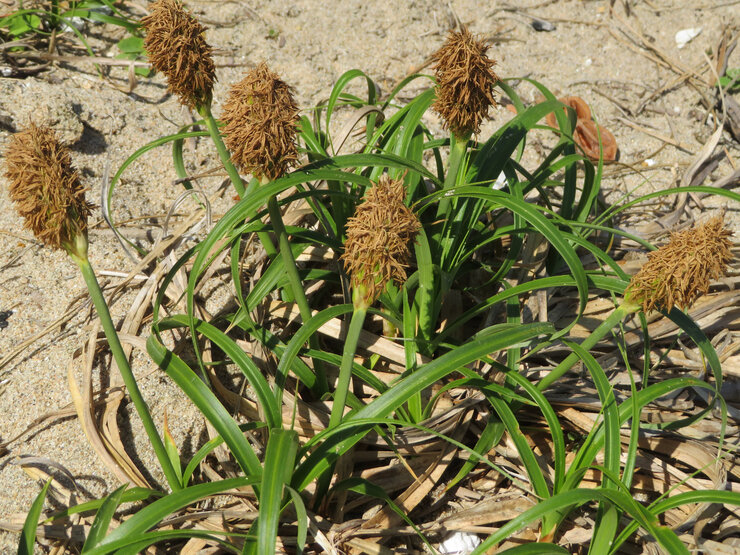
(46, 188)
(177, 47)
(465, 81)
(261, 120)
(677, 273)
(376, 250)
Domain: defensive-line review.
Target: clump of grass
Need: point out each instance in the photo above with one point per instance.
(402, 241)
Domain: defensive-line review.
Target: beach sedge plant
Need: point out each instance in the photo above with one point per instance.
(376, 253)
(260, 120)
(444, 250)
(48, 194)
(406, 261)
(261, 126)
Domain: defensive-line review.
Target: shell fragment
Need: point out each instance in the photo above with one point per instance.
(685, 35)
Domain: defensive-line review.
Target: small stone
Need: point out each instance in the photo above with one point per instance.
(684, 36)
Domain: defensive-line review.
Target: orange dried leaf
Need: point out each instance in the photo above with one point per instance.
(586, 133)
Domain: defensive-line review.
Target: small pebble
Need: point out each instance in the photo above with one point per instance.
(4, 315)
(542, 25)
(684, 36)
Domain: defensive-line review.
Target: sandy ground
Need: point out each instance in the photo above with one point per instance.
(310, 43)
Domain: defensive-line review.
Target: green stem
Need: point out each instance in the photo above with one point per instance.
(345, 369)
(123, 367)
(457, 155)
(223, 153)
(264, 237)
(236, 180)
(619, 314)
(294, 281)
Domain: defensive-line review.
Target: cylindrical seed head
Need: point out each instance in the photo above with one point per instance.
(465, 81)
(177, 47)
(680, 271)
(261, 120)
(377, 247)
(46, 188)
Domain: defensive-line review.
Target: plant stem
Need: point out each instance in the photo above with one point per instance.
(223, 153)
(294, 281)
(345, 369)
(263, 236)
(236, 180)
(619, 314)
(125, 369)
(457, 155)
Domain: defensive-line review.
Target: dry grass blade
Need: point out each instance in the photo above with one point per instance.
(491, 510)
(420, 489)
(63, 531)
(357, 116)
(370, 547)
(373, 343)
(727, 44)
(114, 458)
(647, 45)
(83, 59)
(660, 136)
(687, 179)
